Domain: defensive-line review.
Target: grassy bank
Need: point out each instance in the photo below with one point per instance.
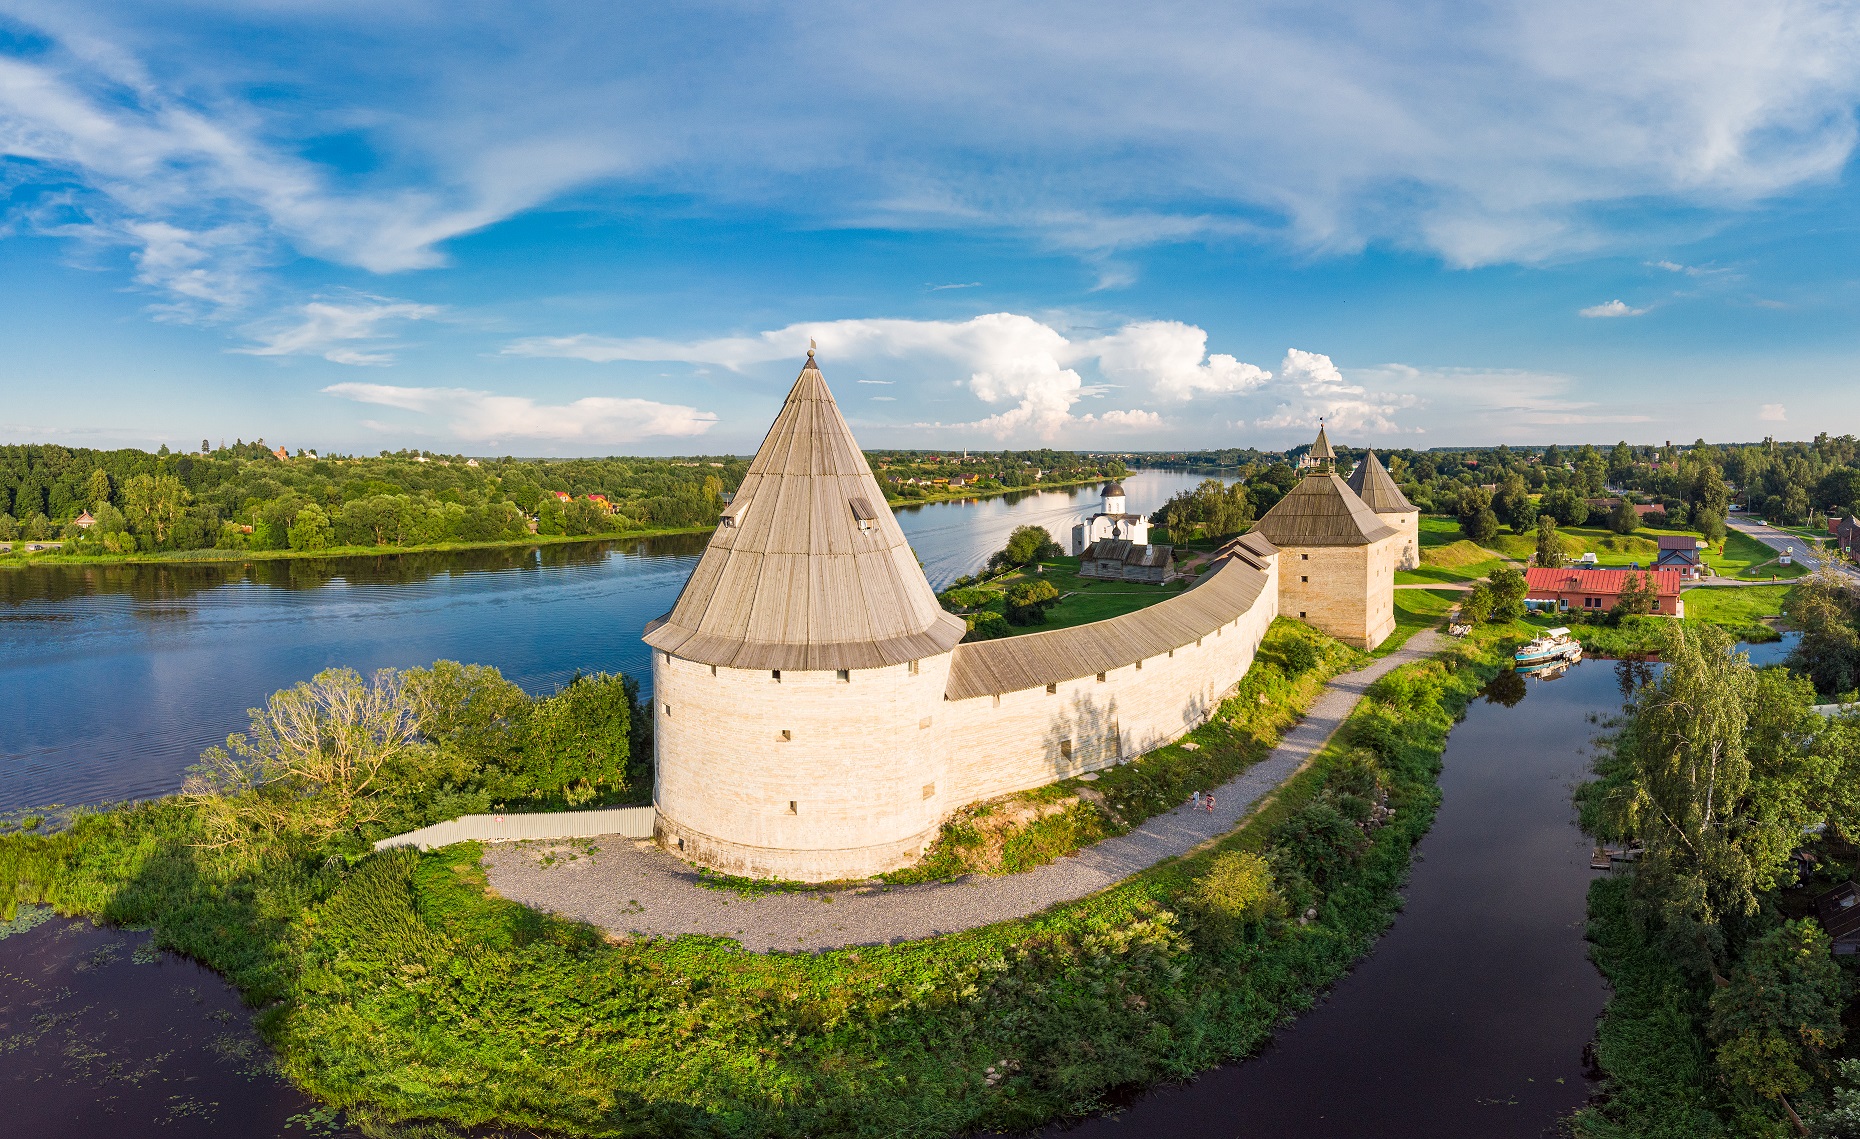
(394, 986)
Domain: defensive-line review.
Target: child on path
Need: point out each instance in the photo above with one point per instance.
(1209, 800)
(1196, 801)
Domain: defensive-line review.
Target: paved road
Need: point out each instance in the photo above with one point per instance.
(1782, 540)
(635, 888)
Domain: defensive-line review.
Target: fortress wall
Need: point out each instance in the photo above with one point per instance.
(863, 767)
(1346, 591)
(1408, 524)
(1021, 740)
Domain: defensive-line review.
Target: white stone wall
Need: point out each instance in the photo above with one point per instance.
(1408, 524)
(854, 788)
(1346, 591)
(1026, 739)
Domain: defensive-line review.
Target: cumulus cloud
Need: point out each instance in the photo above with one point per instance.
(1171, 359)
(1500, 404)
(1610, 308)
(1772, 413)
(1314, 388)
(1138, 420)
(330, 329)
(484, 416)
(1010, 359)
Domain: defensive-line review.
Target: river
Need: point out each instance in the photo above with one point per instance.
(116, 678)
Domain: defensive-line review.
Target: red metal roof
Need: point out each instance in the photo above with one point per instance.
(1543, 579)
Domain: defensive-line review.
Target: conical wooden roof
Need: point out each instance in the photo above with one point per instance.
(1322, 510)
(807, 569)
(1320, 450)
(1371, 482)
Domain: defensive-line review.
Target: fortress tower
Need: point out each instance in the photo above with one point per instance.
(1337, 556)
(798, 677)
(1371, 482)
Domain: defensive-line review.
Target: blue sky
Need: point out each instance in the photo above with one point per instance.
(565, 229)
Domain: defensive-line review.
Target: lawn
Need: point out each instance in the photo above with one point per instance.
(1082, 600)
(1417, 609)
(1447, 557)
(1747, 558)
(1736, 607)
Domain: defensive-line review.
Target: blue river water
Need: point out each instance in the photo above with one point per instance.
(114, 679)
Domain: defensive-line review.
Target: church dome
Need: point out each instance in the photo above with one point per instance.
(1112, 489)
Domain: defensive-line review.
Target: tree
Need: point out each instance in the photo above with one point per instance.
(1827, 610)
(578, 741)
(311, 530)
(1026, 545)
(1709, 525)
(1566, 506)
(1549, 547)
(1476, 605)
(1477, 521)
(1524, 516)
(1028, 601)
(1513, 496)
(1624, 519)
(1780, 1013)
(9, 528)
(583, 517)
(153, 504)
(550, 517)
(97, 488)
(38, 528)
(1508, 590)
(1638, 593)
(316, 761)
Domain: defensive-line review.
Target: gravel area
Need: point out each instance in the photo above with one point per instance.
(631, 887)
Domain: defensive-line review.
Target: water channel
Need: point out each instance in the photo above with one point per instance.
(1468, 1018)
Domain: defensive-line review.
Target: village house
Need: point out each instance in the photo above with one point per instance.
(1846, 532)
(1597, 590)
(1114, 559)
(600, 500)
(84, 521)
(1680, 553)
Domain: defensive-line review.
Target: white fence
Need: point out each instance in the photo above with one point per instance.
(628, 822)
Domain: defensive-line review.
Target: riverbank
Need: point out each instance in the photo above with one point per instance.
(203, 557)
(403, 990)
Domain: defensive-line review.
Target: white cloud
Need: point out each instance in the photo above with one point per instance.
(1171, 358)
(884, 399)
(483, 416)
(1500, 404)
(1313, 388)
(1010, 359)
(1128, 420)
(1478, 133)
(1772, 413)
(886, 383)
(1611, 308)
(329, 329)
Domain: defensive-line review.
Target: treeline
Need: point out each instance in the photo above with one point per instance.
(248, 497)
(908, 475)
(1729, 1014)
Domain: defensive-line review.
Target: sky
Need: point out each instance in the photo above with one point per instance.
(573, 229)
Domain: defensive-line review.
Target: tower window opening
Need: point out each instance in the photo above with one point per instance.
(668, 658)
(1304, 557)
(929, 790)
(666, 708)
(913, 667)
(845, 675)
(1052, 689)
(1101, 678)
(1065, 749)
(997, 700)
(713, 670)
(792, 807)
(775, 675)
(1301, 612)
(1303, 577)
(786, 735)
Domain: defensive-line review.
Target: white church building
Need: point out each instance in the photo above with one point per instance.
(1112, 521)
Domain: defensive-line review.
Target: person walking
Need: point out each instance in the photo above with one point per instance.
(1209, 800)
(1196, 801)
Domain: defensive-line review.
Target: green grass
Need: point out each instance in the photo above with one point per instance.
(1083, 600)
(397, 988)
(1417, 609)
(1447, 557)
(1735, 607)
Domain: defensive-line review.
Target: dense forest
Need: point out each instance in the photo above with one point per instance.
(908, 475)
(249, 497)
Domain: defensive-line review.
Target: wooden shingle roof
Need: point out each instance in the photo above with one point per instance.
(803, 572)
(1371, 482)
(1322, 510)
(1014, 664)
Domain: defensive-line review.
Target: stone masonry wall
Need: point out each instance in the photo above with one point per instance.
(1346, 591)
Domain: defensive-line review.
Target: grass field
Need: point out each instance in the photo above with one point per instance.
(1417, 609)
(1736, 607)
(1082, 599)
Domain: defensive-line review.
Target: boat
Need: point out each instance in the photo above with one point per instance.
(1555, 646)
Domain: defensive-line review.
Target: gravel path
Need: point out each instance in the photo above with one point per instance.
(633, 887)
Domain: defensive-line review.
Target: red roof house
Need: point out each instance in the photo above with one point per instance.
(1597, 590)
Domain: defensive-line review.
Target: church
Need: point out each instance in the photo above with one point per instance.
(816, 718)
(1112, 521)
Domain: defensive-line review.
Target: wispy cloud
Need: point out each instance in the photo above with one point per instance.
(965, 285)
(1772, 413)
(330, 329)
(1315, 388)
(484, 417)
(1610, 308)
(885, 383)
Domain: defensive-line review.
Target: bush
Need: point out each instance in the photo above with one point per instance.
(1300, 656)
(1026, 545)
(1028, 601)
(1239, 889)
(986, 626)
(965, 598)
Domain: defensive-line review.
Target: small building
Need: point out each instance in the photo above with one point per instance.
(1846, 533)
(600, 500)
(1114, 559)
(562, 496)
(1111, 521)
(1561, 590)
(1680, 553)
(1838, 910)
(282, 454)
(84, 521)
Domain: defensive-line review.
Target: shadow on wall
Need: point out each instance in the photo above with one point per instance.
(1087, 736)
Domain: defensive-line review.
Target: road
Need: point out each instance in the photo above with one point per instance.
(1781, 540)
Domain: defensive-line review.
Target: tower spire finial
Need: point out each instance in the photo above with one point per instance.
(810, 348)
